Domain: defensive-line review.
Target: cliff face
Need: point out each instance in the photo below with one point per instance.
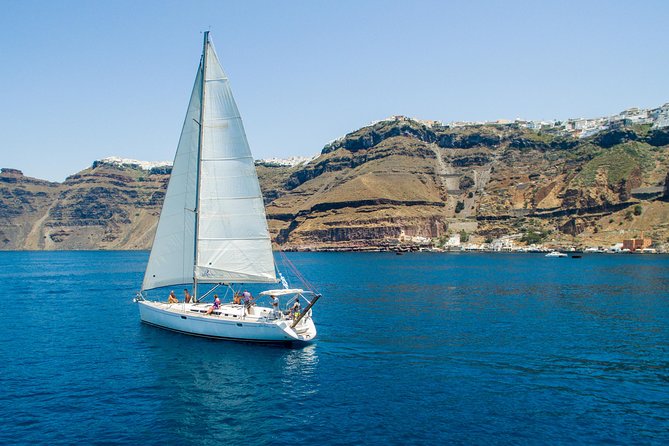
(401, 179)
(24, 203)
(104, 207)
(391, 182)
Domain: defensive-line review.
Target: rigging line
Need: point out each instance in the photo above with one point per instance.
(284, 262)
(297, 273)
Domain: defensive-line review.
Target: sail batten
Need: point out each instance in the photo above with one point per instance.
(237, 238)
(228, 159)
(231, 242)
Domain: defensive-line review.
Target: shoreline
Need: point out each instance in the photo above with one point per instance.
(376, 250)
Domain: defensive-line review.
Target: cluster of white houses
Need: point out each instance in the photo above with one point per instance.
(509, 244)
(579, 127)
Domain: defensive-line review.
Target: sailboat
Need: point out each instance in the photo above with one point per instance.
(212, 232)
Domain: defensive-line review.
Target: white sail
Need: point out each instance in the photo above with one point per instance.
(172, 254)
(233, 241)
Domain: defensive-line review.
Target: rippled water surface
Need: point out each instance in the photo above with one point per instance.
(413, 349)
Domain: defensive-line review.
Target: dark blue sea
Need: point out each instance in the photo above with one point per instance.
(413, 349)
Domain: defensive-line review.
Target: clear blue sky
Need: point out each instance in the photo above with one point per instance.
(82, 80)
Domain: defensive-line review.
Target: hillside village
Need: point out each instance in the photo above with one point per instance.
(576, 127)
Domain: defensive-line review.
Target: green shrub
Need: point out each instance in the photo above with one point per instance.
(533, 237)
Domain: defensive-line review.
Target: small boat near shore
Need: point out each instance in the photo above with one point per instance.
(556, 254)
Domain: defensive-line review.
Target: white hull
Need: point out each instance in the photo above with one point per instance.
(230, 322)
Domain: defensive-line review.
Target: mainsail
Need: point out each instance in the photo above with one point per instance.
(213, 192)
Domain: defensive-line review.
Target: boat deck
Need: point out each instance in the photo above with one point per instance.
(227, 311)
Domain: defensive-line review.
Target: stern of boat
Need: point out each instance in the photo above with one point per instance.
(304, 331)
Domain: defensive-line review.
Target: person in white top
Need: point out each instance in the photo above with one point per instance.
(275, 305)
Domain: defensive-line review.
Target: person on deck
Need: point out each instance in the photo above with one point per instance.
(248, 301)
(275, 305)
(172, 299)
(216, 306)
(295, 309)
(237, 299)
(187, 296)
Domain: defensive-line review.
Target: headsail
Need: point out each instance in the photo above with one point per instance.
(233, 242)
(172, 253)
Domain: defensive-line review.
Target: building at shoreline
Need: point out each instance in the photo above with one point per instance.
(637, 244)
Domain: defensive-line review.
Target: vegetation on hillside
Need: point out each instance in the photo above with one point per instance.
(617, 163)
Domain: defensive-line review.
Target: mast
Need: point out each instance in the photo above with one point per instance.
(199, 158)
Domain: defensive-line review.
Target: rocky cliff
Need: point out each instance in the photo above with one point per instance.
(105, 207)
(401, 180)
(396, 181)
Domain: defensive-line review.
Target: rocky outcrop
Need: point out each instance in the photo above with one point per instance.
(104, 207)
(370, 136)
(572, 227)
(472, 160)
(615, 137)
(659, 137)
